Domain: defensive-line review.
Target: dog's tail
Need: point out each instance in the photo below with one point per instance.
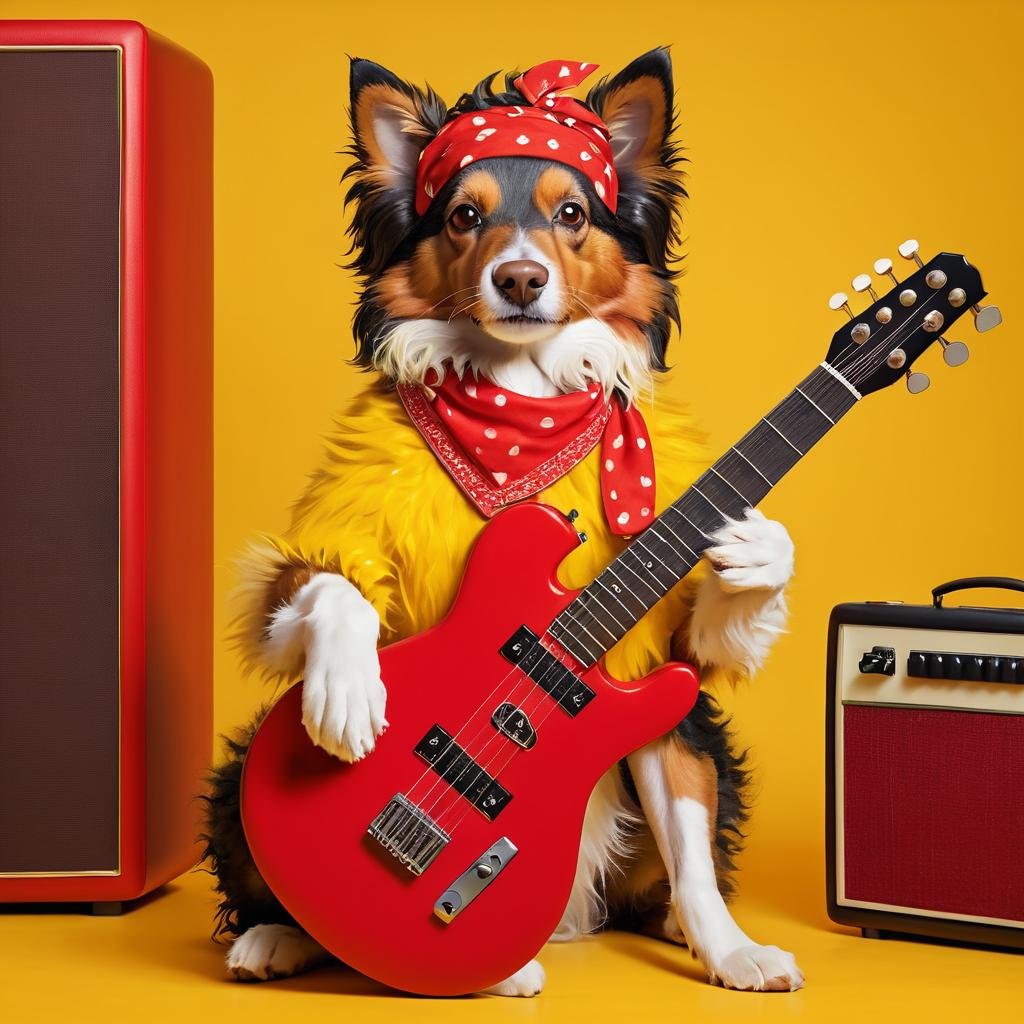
(245, 899)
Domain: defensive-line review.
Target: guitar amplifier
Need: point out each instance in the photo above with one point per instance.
(105, 458)
(925, 768)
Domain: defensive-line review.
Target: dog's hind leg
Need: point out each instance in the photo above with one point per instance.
(268, 944)
(678, 790)
(268, 951)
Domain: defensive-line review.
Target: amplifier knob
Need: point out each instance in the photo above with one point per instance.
(916, 665)
(992, 668)
(954, 666)
(878, 661)
(973, 668)
(1010, 670)
(935, 665)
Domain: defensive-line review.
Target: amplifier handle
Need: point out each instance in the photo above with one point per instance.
(971, 582)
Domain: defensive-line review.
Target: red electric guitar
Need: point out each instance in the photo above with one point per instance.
(443, 862)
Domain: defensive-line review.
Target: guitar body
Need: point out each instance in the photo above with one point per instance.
(306, 814)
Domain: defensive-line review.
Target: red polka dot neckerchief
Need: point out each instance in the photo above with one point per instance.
(551, 126)
(501, 447)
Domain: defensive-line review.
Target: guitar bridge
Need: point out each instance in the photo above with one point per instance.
(408, 833)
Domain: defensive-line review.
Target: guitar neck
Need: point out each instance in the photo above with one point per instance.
(671, 546)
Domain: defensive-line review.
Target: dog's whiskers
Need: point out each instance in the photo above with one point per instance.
(451, 295)
(464, 305)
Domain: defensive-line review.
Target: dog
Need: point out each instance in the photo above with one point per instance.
(524, 273)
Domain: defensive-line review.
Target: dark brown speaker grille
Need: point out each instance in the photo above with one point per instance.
(59, 424)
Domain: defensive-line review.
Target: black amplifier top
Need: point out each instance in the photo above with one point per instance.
(935, 615)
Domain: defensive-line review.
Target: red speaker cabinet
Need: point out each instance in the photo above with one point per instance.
(925, 783)
(105, 458)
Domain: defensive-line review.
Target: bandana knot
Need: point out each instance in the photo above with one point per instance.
(551, 126)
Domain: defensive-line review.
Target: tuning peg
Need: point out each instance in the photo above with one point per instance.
(986, 317)
(840, 301)
(862, 283)
(883, 268)
(908, 250)
(917, 382)
(954, 353)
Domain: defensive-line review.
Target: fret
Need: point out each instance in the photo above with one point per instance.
(830, 392)
(630, 615)
(769, 450)
(633, 561)
(594, 621)
(748, 502)
(700, 512)
(799, 453)
(723, 498)
(667, 552)
(573, 644)
(663, 522)
(815, 404)
(655, 566)
(671, 546)
(746, 479)
(751, 465)
(695, 538)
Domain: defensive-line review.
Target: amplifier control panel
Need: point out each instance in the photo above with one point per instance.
(986, 668)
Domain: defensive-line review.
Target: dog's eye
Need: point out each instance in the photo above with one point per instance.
(465, 218)
(570, 215)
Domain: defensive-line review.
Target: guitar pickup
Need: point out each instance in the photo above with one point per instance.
(514, 723)
(524, 650)
(462, 773)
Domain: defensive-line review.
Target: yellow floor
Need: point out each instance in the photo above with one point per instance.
(157, 964)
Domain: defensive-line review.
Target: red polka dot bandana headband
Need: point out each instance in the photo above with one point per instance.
(553, 126)
(501, 447)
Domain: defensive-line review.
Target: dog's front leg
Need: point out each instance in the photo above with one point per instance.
(740, 608)
(332, 630)
(678, 792)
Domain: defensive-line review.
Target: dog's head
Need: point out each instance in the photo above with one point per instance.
(515, 259)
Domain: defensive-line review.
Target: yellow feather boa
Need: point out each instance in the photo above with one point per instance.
(383, 512)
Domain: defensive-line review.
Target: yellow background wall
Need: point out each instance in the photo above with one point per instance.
(821, 135)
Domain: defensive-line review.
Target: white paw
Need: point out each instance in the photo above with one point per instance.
(269, 951)
(757, 969)
(527, 981)
(343, 697)
(752, 552)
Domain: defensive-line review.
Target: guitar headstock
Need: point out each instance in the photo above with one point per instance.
(879, 345)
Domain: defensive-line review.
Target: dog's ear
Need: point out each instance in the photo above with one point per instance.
(391, 123)
(636, 104)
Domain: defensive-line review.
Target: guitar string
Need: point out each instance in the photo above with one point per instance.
(861, 359)
(498, 738)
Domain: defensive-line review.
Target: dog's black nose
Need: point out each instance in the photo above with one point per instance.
(521, 281)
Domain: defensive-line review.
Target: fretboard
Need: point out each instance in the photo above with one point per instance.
(671, 546)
